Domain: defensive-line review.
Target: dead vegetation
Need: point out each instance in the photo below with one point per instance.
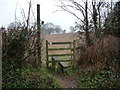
(105, 51)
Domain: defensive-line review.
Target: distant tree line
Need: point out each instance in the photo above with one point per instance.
(47, 28)
(50, 28)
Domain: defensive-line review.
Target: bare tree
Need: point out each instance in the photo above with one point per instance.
(96, 16)
(74, 7)
(89, 43)
(99, 5)
(29, 10)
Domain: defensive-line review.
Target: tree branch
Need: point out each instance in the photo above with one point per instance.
(67, 10)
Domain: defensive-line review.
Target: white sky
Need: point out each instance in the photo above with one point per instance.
(7, 12)
(47, 7)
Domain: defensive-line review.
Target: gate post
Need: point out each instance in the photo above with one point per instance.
(74, 56)
(38, 35)
(47, 54)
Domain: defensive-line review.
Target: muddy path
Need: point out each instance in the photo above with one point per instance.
(67, 81)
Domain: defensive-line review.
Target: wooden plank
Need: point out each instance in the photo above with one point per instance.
(59, 61)
(60, 55)
(59, 43)
(64, 65)
(53, 49)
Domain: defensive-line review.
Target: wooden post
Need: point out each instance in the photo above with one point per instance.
(71, 46)
(74, 56)
(38, 34)
(0, 60)
(53, 63)
(47, 54)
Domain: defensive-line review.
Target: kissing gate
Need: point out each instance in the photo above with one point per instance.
(52, 59)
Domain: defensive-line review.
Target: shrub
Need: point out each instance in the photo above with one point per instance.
(13, 55)
(33, 78)
(104, 52)
(17, 49)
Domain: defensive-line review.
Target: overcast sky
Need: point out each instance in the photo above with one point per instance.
(8, 8)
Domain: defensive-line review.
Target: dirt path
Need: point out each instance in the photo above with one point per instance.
(68, 81)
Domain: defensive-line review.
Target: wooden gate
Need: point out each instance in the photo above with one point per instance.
(50, 56)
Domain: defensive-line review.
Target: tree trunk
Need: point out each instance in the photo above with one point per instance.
(88, 41)
(99, 19)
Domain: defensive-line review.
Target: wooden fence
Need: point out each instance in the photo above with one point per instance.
(53, 61)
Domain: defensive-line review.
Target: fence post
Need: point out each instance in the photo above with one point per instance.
(47, 54)
(74, 56)
(53, 63)
(1, 60)
(71, 46)
(38, 35)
